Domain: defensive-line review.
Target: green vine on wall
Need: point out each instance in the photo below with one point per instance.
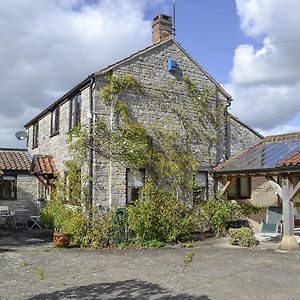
(166, 153)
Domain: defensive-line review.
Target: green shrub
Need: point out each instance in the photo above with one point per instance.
(87, 228)
(242, 237)
(216, 212)
(160, 216)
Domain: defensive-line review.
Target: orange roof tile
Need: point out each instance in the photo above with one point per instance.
(291, 161)
(44, 165)
(14, 160)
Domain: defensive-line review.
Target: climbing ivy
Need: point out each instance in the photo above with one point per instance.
(168, 154)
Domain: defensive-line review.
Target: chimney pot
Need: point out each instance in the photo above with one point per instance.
(161, 28)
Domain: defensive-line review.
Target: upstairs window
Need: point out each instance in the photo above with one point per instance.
(8, 188)
(241, 189)
(75, 110)
(55, 121)
(35, 135)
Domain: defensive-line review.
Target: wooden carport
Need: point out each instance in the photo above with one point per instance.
(277, 158)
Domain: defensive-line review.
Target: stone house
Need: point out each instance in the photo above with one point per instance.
(18, 188)
(160, 69)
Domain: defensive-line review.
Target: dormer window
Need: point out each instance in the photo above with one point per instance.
(75, 110)
(55, 121)
(35, 135)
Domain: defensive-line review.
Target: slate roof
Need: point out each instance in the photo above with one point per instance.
(43, 165)
(276, 152)
(14, 160)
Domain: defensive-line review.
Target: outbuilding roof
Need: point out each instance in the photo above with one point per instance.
(276, 152)
(14, 159)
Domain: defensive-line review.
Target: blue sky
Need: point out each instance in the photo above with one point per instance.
(47, 47)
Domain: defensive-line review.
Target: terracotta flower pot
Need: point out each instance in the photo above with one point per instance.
(61, 240)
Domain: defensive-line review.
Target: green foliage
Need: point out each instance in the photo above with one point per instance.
(160, 216)
(93, 230)
(216, 212)
(189, 244)
(147, 243)
(117, 86)
(131, 145)
(189, 258)
(242, 237)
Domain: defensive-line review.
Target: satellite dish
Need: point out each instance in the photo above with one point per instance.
(21, 135)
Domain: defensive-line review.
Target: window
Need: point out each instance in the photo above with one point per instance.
(200, 189)
(8, 188)
(75, 109)
(134, 184)
(55, 121)
(241, 189)
(35, 134)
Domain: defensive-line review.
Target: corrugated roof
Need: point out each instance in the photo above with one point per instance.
(43, 165)
(14, 160)
(273, 152)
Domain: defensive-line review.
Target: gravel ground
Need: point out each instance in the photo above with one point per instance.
(31, 268)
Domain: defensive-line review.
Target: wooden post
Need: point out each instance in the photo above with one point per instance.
(289, 241)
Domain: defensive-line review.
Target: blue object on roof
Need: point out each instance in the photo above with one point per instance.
(172, 65)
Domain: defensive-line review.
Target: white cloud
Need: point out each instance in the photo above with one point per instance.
(46, 47)
(265, 81)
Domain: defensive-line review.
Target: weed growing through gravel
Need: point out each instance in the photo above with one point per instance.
(189, 258)
(40, 273)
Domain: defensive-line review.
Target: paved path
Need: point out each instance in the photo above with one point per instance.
(32, 270)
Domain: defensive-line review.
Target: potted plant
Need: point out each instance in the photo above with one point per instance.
(57, 217)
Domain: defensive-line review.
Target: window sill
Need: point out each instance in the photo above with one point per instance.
(54, 134)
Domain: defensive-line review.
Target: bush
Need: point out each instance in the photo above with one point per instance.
(87, 229)
(160, 216)
(242, 237)
(216, 212)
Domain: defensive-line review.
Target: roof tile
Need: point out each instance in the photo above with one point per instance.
(14, 160)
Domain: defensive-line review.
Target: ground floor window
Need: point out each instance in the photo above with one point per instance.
(135, 181)
(241, 189)
(8, 187)
(200, 187)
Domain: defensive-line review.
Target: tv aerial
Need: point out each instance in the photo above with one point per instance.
(21, 135)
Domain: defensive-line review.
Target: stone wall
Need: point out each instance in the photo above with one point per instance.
(26, 194)
(165, 92)
(242, 137)
(56, 145)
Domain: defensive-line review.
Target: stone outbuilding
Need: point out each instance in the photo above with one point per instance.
(267, 174)
(18, 188)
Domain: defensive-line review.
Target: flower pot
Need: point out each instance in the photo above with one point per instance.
(61, 240)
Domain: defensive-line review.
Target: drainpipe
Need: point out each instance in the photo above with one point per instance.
(90, 148)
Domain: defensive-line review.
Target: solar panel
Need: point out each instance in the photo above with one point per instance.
(267, 155)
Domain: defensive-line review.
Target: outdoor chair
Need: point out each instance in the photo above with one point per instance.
(21, 218)
(3, 215)
(272, 227)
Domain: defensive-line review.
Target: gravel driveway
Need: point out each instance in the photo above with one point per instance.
(30, 268)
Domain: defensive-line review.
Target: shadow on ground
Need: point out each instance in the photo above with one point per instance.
(24, 237)
(128, 289)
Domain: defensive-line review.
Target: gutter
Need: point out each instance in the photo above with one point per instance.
(90, 148)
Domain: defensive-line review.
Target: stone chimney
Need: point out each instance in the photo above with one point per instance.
(161, 28)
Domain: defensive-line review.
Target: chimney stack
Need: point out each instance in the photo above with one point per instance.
(161, 28)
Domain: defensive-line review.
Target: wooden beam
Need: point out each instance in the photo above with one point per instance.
(275, 186)
(227, 185)
(295, 191)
